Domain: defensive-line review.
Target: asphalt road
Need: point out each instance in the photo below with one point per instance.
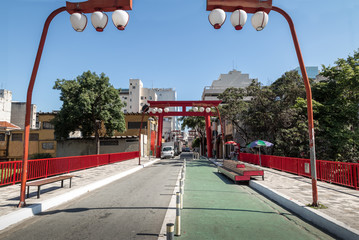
(133, 207)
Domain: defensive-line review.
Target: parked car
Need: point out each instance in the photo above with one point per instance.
(167, 152)
(186, 149)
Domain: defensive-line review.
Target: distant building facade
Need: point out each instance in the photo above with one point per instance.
(234, 79)
(136, 96)
(5, 105)
(312, 71)
(18, 110)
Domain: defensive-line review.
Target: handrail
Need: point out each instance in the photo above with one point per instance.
(341, 173)
(10, 172)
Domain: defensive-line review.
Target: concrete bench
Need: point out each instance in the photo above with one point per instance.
(45, 181)
(238, 171)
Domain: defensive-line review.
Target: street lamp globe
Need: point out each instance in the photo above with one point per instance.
(99, 20)
(201, 109)
(238, 19)
(208, 110)
(259, 20)
(166, 109)
(120, 19)
(78, 21)
(160, 110)
(217, 18)
(195, 109)
(154, 110)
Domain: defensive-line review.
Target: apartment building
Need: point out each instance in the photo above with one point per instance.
(234, 79)
(136, 96)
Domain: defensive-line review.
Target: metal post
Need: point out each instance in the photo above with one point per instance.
(219, 117)
(170, 231)
(159, 139)
(28, 104)
(181, 192)
(209, 136)
(309, 104)
(178, 214)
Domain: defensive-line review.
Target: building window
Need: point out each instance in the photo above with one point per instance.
(47, 125)
(150, 97)
(133, 87)
(34, 137)
(16, 137)
(136, 125)
(141, 97)
(141, 104)
(130, 93)
(48, 145)
(132, 140)
(130, 99)
(2, 136)
(125, 111)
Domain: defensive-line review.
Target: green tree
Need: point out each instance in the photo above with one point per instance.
(232, 109)
(89, 101)
(339, 95)
(198, 124)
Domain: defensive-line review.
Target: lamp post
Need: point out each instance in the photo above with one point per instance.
(79, 22)
(260, 10)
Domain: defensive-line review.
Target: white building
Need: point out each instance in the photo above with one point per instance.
(5, 105)
(136, 96)
(233, 79)
(18, 110)
(14, 112)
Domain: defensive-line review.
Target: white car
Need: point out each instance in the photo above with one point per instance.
(167, 152)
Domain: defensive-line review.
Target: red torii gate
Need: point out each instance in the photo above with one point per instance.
(165, 112)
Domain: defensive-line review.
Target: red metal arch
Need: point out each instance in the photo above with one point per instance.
(183, 112)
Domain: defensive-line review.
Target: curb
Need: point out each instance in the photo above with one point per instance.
(170, 216)
(27, 212)
(319, 219)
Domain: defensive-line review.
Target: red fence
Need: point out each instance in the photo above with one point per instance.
(10, 172)
(345, 174)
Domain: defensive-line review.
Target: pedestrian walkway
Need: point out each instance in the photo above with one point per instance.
(215, 208)
(52, 194)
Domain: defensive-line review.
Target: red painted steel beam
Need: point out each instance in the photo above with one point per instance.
(28, 104)
(184, 104)
(159, 138)
(190, 114)
(98, 5)
(309, 104)
(250, 6)
(209, 136)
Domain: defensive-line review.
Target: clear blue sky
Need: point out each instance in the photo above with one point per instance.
(168, 43)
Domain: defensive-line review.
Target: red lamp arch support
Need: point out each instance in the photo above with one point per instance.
(183, 112)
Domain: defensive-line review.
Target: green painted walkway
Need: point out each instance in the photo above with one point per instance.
(215, 208)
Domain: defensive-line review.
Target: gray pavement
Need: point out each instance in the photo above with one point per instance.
(53, 195)
(341, 202)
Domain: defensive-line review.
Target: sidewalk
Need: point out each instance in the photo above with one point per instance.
(295, 192)
(53, 195)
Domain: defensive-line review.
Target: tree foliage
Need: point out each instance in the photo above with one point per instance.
(339, 113)
(195, 123)
(278, 113)
(88, 100)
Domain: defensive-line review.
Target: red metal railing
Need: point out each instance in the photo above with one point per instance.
(10, 172)
(346, 174)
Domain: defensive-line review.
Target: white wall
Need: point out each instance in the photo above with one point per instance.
(5, 105)
(18, 110)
